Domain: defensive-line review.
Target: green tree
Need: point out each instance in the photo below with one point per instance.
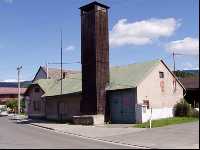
(13, 104)
(183, 74)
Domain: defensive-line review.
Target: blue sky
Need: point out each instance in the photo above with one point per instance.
(140, 30)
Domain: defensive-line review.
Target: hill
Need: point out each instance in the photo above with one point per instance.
(186, 73)
(23, 84)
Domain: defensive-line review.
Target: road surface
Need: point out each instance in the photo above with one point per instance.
(16, 135)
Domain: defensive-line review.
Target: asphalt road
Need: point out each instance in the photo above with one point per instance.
(20, 136)
(179, 136)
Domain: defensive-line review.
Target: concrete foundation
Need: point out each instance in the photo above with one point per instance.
(88, 119)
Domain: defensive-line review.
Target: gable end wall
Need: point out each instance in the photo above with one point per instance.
(150, 89)
(41, 74)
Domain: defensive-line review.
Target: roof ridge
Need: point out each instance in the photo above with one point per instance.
(137, 63)
(58, 69)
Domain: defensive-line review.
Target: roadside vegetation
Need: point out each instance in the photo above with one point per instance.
(12, 105)
(183, 113)
(167, 121)
(184, 74)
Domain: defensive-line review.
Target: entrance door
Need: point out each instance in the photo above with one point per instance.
(122, 106)
(61, 111)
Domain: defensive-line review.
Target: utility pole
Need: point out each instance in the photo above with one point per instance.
(18, 76)
(174, 62)
(174, 82)
(47, 70)
(61, 72)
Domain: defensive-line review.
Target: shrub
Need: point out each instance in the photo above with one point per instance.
(195, 113)
(13, 104)
(183, 109)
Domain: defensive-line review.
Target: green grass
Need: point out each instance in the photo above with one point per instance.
(167, 121)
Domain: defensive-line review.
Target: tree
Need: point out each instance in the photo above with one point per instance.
(183, 74)
(13, 104)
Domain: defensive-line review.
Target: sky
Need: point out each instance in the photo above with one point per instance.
(139, 30)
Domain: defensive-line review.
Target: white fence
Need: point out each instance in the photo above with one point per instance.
(143, 114)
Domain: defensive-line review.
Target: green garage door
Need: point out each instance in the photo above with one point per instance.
(122, 106)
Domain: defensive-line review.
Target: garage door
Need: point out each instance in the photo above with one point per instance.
(122, 106)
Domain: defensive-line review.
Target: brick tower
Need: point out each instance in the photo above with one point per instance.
(94, 57)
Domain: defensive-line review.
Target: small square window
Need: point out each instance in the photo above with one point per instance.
(161, 74)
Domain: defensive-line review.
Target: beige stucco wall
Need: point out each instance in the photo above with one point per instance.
(149, 89)
(69, 106)
(35, 96)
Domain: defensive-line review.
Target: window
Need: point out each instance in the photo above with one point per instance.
(161, 74)
(146, 102)
(37, 90)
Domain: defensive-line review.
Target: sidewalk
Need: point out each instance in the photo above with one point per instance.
(88, 131)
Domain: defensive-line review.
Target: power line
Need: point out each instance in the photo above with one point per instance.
(57, 63)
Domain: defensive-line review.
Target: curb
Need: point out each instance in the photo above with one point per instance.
(107, 141)
(42, 127)
(93, 138)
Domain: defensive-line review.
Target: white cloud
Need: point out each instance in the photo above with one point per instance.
(188, 45)
(8, 1)
(189, 66)
(141, 32)
(70, 48)
(12, 80)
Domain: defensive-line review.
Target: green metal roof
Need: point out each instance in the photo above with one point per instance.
(45, 84)
(121, 77)
(131, 75)
(72, 84)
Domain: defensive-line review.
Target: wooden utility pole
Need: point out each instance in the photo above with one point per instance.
(18, 76)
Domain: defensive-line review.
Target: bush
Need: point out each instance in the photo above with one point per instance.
(13, 105)
(195, 113)
(184, 109)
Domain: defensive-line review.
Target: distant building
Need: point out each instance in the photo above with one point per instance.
(133, 90)
(51, 73)
(191, 85)
(9, 93)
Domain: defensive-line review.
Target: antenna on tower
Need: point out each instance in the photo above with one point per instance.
(173, 54)
(47, 70)
(61, 72)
